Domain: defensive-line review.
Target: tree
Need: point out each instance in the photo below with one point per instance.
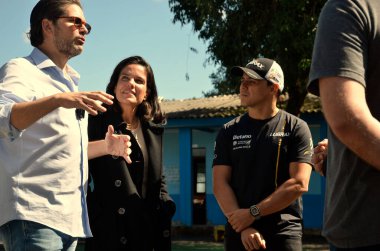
(239, 30)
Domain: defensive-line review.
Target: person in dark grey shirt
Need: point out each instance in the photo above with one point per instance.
(345, 72)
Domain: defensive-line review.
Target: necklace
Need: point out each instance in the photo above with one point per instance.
(133, 129)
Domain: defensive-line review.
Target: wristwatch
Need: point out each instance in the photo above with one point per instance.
(255, 212)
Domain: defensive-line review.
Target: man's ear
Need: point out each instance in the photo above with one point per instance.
(275, 88)
(47, 26)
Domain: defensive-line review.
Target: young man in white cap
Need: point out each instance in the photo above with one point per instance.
(262, 165)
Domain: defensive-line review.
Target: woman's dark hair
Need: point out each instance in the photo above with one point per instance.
(149, 109)
(49, 9)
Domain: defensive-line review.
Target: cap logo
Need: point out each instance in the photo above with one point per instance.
(275, 75)
(256, 63)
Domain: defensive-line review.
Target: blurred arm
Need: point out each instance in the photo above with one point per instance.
(347, 113)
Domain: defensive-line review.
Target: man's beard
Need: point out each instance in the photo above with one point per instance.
(67, 47)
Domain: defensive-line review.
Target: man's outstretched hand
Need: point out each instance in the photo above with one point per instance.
(118, 145)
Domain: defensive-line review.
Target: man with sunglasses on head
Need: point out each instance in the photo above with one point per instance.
(262, 165)
(43, 135)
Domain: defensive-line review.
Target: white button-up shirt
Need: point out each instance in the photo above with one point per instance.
(44, 168)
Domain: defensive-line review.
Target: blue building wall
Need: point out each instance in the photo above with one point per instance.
(171, 158)
(313, 200)
(181, 135)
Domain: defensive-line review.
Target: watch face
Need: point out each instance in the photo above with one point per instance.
(255, 211)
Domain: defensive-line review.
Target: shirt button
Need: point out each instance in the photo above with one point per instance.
(166, 233)
(123, 240)
(117, 183)
(121, 211)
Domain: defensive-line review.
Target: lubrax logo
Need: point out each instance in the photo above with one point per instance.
(279, 134)
(258, 64)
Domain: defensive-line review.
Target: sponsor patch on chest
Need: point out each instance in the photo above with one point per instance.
(241, 141)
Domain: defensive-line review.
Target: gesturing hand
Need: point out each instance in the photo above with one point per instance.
(118, 145)
(319, 156)
(88, 101)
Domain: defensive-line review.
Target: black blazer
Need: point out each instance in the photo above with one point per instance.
(120, 218)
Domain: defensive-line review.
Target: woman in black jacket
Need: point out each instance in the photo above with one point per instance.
(128, 204)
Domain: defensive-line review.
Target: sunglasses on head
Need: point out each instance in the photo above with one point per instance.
(78, 23)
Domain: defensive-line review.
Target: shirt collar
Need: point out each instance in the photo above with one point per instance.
(42, 61)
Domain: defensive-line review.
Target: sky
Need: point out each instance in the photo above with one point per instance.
(122, 28)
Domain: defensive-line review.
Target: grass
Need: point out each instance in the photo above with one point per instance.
(196, 246)
(184, 246)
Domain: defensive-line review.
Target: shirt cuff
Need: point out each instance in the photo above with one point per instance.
(6, 128)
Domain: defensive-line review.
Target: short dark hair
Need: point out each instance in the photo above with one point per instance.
(149, 109)
(49, 9)
(269, 83)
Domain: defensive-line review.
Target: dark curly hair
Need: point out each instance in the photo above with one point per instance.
(149, 109)
(49, 9)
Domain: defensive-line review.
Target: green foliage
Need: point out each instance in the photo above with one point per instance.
(239, 30)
